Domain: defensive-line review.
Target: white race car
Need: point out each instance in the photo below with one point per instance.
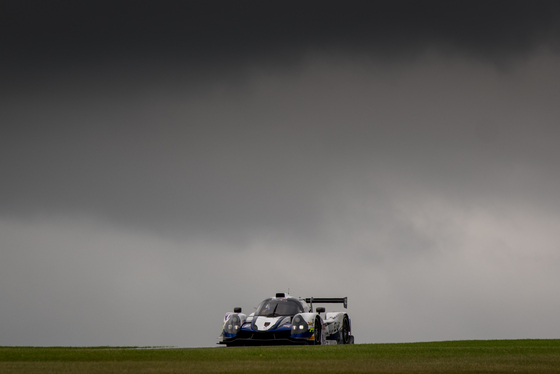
(285, 319)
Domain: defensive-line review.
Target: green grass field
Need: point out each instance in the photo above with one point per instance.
(496, 356)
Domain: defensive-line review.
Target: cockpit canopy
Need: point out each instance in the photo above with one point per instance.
(274, 307)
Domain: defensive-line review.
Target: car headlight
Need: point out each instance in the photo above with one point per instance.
(299, 325)
(232, 325)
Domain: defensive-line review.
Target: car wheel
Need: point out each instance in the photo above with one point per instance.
(318, 332)
(345, 332)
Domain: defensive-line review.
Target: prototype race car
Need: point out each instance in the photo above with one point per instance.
(285, 319)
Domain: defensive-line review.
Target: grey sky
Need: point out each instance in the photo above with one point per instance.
(161, 166)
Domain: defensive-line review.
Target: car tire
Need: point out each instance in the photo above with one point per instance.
(318, 332)
(345, 332)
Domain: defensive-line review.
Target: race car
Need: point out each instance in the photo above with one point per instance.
(284, 320)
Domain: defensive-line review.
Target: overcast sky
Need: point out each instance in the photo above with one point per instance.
(163, 162)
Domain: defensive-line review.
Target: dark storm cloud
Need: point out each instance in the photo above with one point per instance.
(156, 159)
(271, 155)
(37, 33)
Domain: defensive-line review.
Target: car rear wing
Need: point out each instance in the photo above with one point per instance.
(328, 300)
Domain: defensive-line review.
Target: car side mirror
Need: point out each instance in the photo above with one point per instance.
(237, 310)
(320, 309)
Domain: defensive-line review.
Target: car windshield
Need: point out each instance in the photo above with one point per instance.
(278, 307)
